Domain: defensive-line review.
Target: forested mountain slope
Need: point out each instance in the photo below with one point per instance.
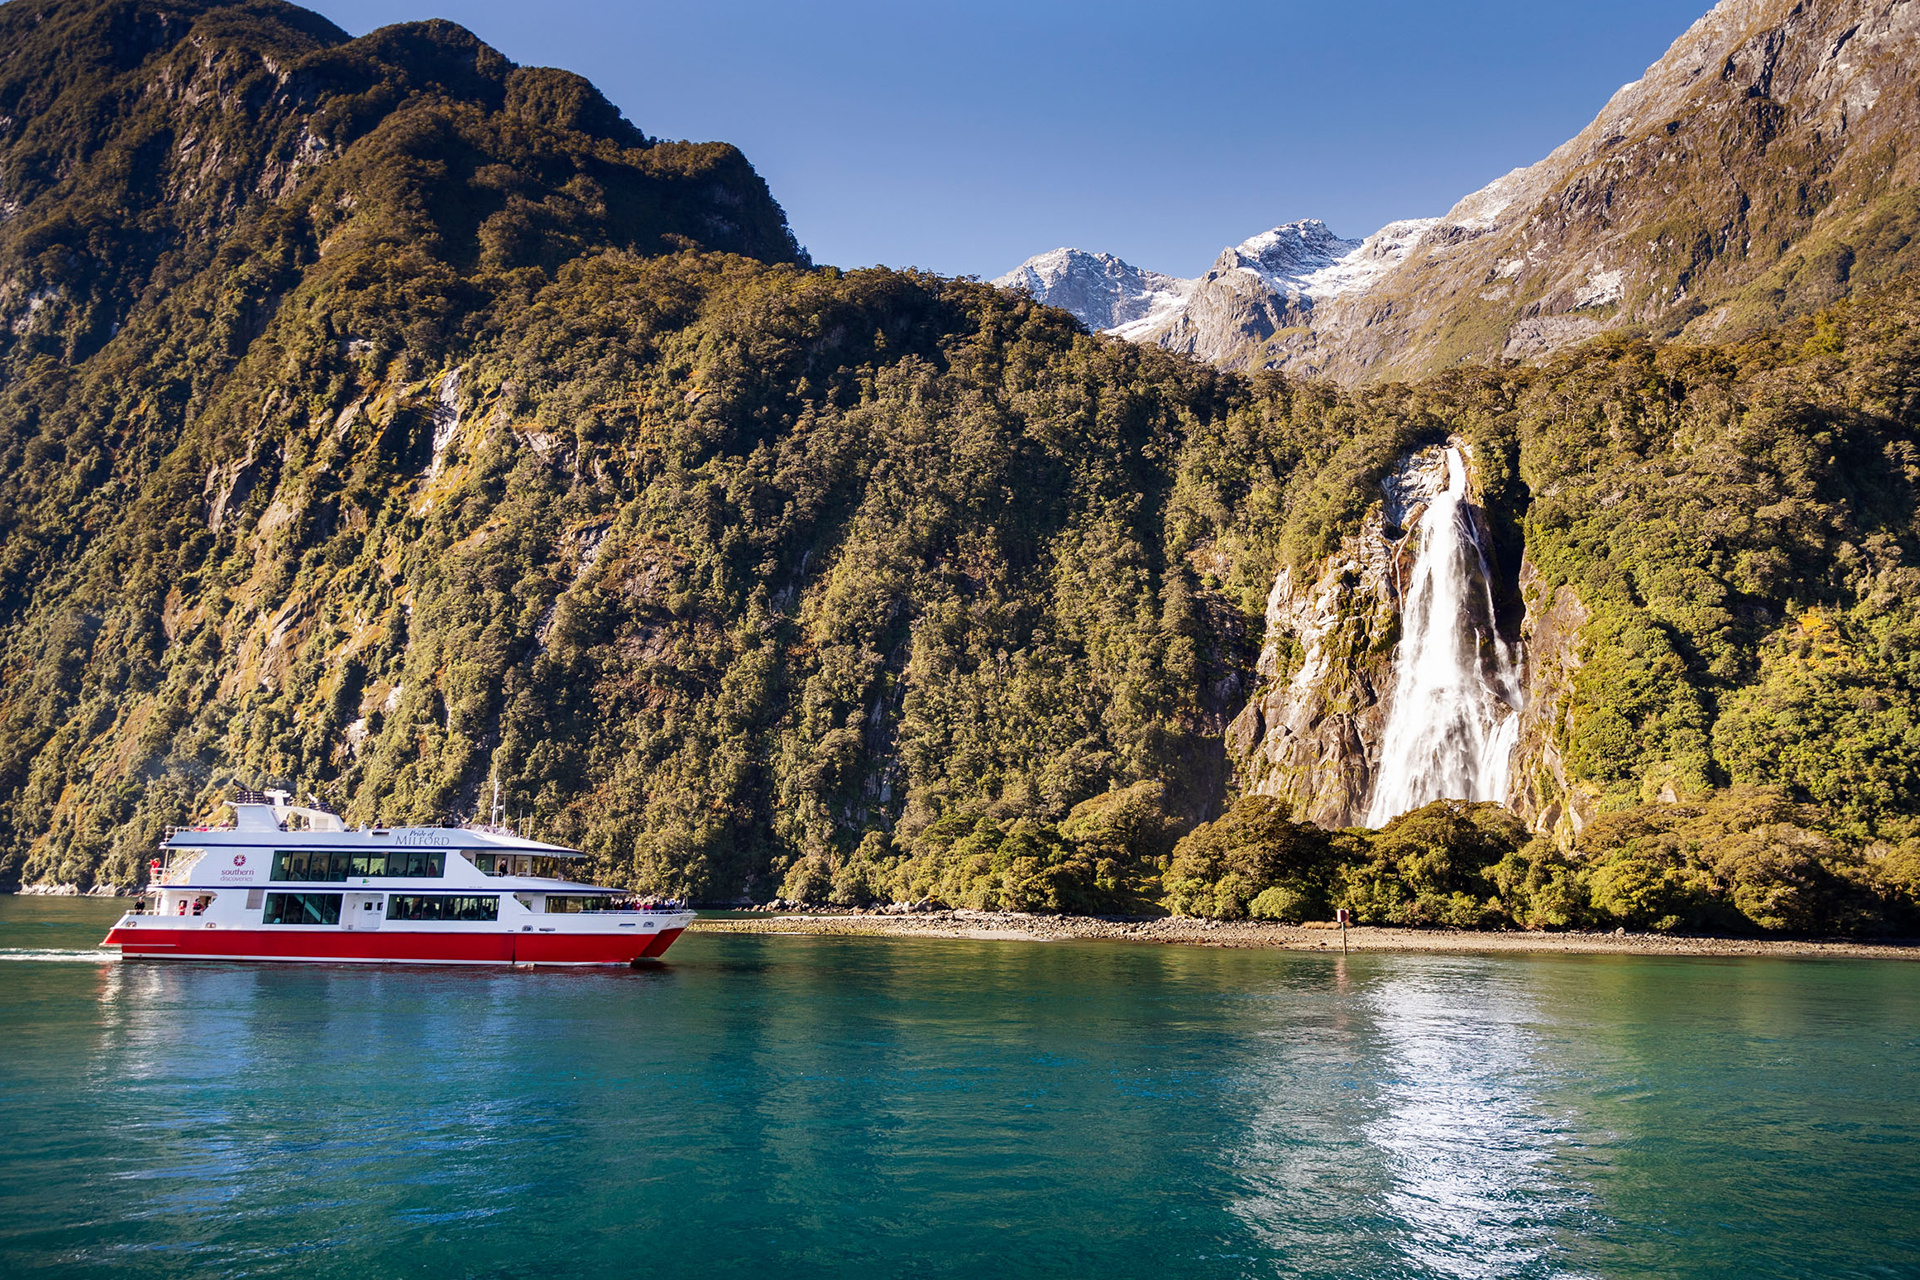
(376, 415)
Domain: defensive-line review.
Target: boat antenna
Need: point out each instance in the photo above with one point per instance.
(493, 814)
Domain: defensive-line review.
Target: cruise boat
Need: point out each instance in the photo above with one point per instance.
(293, 882)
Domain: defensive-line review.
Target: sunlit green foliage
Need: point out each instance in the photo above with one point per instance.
(722, 563)
(1223, 868)
(1746, 860)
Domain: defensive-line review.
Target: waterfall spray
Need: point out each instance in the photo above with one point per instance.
(1457, 692)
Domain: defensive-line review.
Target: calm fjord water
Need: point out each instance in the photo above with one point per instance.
(868, 1107)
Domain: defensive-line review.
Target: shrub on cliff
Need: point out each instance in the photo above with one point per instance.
(1220, 869)
(1124, 823)
(1282, 905)
(1102, 860)
(1893, 874)
(861, 878)
(1451, 863)
(1538, 887)
(1745, 859)
(1433, 866)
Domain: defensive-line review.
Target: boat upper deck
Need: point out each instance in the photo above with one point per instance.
(273, 842)
(302, 826)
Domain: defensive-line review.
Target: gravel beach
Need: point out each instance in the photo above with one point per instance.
(1021, 927)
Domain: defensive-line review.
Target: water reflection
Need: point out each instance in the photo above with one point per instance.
(1467, 1137)
(1416, 1089)
(1302, 1161)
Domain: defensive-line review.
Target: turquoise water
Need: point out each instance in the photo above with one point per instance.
(868, 1107)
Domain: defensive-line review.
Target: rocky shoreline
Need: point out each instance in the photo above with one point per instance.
(70, 891)
(1014, 926)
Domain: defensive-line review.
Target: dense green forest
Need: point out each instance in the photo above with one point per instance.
(376, 416)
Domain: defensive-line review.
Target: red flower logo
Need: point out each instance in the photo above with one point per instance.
(239, 859)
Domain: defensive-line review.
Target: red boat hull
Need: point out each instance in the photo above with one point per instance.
(390, 946)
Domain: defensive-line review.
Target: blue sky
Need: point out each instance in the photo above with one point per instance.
(963, 137)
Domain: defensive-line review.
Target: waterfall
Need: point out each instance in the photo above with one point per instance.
(1457, 692)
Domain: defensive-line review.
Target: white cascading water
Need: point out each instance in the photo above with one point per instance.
(1457, 692)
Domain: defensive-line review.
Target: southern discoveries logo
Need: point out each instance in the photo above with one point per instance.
(239, 870)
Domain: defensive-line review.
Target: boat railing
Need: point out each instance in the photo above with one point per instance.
(172, 866)
(619, 907)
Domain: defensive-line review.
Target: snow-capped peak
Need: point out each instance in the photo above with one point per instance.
(1288, 253)
(1376, 255)
(1103, 291)
(1296, 263)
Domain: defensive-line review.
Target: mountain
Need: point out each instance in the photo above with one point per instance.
(1254, 289)
(378, 417)
(376, 414)
(1764, 167)
(1100, 289)
(1736, 183)
(1272, 284)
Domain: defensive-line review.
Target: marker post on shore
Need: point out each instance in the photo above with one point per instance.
(1346, 918)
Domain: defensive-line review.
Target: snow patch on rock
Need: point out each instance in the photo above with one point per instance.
(1601, 287)
(1286, 256)
(1378, 254)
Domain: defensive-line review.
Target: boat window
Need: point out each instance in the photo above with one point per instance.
(567, 902)
(302, 908)
(442, 906)
(520, 864)
(322, 865)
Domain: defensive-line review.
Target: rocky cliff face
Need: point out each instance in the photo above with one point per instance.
(1741, 179)
(1310, 734)
(1312, 730)
(1764, 167)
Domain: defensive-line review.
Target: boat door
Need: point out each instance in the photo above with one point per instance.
(363, 910)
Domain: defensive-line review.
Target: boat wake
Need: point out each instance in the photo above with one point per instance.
(49, 954)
